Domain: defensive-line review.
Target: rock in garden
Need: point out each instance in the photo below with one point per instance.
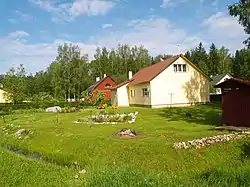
(127, 132)
(22, 132)
(54, 109)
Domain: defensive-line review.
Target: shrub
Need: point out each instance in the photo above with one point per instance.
(40, 104)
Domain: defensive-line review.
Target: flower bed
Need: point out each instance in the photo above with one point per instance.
(110, 118)
(209, 140)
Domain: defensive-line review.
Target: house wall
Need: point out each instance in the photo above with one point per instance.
(106, 90)
(114, 97)
(172, 88)
(120, 96)
(123, 96)
(138, 98)
(2, 97)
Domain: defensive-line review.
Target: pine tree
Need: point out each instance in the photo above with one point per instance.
(213, 62)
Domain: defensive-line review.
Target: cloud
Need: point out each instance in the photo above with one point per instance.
(35, 57)
(108, 25)
(69, 11)
(158, 35)
(224, 29)
(20, 16)
(165, 3)
(18, 34)
(171, 3)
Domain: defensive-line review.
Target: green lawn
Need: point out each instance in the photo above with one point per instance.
(148, 160)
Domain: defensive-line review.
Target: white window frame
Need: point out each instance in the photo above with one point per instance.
(145, 92)
(132, 93)
(179, 68)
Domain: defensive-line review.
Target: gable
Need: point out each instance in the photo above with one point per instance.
(224, 78)
(100, 85)
(106, 84)
(149, 73)
(190, 68)
(195, 67)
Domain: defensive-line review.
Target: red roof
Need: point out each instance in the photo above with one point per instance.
(149, 73)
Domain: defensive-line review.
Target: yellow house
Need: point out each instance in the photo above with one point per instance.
(3, 98)
(172, 82)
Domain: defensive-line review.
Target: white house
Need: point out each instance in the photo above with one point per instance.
(172, 82)
(217, 80)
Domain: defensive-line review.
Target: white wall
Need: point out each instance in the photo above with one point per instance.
(122, 96)
(179, 88)
(139, 99)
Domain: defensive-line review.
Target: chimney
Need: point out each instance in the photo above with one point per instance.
(104, 75)
(130, 75)
(97, 79)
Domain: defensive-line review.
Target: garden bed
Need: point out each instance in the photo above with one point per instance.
(110, 118)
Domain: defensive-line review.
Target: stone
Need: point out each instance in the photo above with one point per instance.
(127, 132)
(53, 109)
(207, 141)
(22, 132)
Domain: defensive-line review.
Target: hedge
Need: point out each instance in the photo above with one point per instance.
(44, 105)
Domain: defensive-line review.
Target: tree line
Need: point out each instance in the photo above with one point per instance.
(71, 72)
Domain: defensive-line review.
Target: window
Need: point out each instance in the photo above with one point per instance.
(107, 85)
(132, 93)
(184, 68)
(175, 67)
(145, 92)
(180, 68)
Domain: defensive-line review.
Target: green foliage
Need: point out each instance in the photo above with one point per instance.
(217, 61)
(70, 109)
(42, 96)
(241, 11)
(14, 83)
(241, 63)
(213, 61)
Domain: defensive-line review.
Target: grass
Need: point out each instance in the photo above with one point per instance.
(148, 160)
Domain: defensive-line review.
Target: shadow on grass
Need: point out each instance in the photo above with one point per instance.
(245, 151)
(209, 114)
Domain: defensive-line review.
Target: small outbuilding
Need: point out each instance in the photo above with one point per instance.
(235, 101)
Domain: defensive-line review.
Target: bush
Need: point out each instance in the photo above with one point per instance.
(41, 105)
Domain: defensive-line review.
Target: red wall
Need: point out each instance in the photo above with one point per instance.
(102, 87)
(236, 106)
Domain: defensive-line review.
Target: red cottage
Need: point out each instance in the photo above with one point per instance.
(104, 85)
(235, 101)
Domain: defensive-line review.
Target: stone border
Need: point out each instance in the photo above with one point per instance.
(209, 140)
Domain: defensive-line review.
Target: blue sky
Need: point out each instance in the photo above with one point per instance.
(31, 30)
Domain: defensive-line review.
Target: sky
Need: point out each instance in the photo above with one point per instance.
(31, 30)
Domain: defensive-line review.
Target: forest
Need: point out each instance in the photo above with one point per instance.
(72, 72)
